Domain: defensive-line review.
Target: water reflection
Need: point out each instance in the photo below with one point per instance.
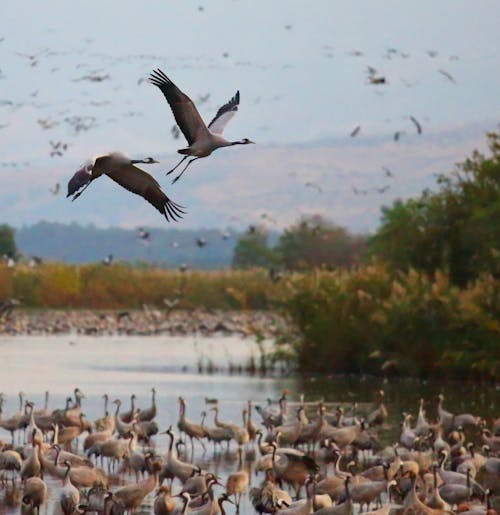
(121, 366)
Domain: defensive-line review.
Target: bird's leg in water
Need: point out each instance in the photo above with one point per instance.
(76, 195)
(177, 165)
(184, 169)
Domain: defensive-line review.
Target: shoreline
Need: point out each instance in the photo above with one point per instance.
(146, 322)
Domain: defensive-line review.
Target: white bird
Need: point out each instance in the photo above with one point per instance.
(202, 139)
(122, 170)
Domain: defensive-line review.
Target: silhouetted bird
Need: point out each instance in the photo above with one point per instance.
(143, 234)
(417, 124)
(355, 132)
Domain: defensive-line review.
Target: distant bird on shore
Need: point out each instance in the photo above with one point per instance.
(122, 170)
(108, 260)
(202, 139)
(417, 124)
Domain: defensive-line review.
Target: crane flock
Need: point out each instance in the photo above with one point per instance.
(298, 458)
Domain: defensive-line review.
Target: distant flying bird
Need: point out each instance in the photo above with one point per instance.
(202, 140)
(269, 218)
(372, 76)
(143, 234)
(57, 148)
(122, 170)
(417, 124)
(55, 189)
(314, 186)
(387, 172)
(175, 132)
(382, 189)
(201, 242)
(203, 98)
(448, 75)
(377, 80)
(355, 131)
(357, 191)
(398, 134)
(432, 53)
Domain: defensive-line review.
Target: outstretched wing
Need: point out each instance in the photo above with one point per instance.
(224, 114)
(142, 183)
(185, 113)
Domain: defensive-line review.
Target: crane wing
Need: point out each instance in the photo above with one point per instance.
(224, 114)
(142, 183)
(185, 113)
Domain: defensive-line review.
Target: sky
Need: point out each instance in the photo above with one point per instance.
(72, 83)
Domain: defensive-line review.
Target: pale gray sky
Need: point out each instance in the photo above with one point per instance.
(301, 68)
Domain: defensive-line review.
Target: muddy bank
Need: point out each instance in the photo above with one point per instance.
(141, 322)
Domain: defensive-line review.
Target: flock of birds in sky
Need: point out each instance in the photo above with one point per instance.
(202, 139)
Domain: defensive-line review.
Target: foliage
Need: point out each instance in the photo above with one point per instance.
(315, 242)
(7, 241)
(252, 250)
(377, 320)
(455, 229)
(121, 286)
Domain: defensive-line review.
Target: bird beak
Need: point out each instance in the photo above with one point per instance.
(155, 161)
(250, 141)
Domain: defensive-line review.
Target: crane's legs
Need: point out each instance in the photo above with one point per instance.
(76, 195)
(184, 169)
(177, 165)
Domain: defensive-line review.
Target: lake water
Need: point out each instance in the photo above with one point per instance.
(121, 366)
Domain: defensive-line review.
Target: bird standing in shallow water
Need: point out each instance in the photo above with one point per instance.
(202, 139)
(122, 170)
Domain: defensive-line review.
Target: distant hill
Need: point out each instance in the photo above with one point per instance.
(171, 247)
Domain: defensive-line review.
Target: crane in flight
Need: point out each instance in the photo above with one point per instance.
(124, 172)
(202, 139)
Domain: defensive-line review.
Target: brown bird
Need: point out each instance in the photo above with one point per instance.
(122, 170)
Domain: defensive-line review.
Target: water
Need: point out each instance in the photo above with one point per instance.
(121, 366)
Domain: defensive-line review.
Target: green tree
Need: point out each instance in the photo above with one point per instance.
(455, 229)
(315, 242)
(7, 241)
(252, 250)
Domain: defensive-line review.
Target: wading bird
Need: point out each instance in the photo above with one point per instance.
(122, 170)
(202, 139)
